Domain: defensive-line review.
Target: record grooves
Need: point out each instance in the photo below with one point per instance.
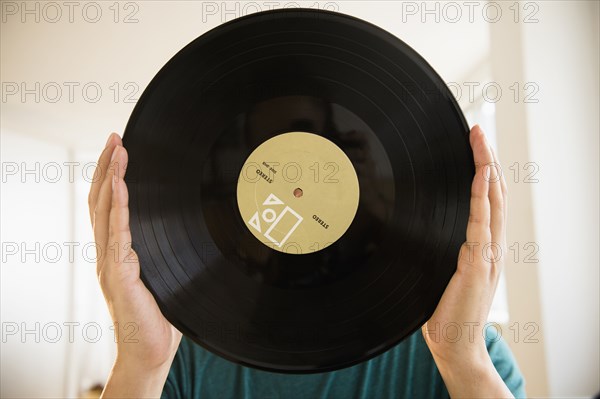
(220, 142)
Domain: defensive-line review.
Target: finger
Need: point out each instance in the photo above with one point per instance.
(100, 171)
(119, 234)
(116, 168)
(497, 203)
(479, 216)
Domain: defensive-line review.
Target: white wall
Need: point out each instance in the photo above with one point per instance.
(557, 131)
(51, 307)
(33, 289)
(563, 135)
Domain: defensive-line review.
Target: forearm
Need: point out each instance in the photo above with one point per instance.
(474, 380)
(127, 381)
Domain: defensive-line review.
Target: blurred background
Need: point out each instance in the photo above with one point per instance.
(71, 72)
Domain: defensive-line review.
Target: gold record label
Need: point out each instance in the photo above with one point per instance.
(298, 193)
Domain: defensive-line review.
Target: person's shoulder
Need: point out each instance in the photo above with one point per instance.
(504, 361)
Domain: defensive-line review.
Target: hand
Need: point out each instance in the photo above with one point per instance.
(462, 359)
(146, 341)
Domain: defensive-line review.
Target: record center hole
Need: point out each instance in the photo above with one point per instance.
(298, 192)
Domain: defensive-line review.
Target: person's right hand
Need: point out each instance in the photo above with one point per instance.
(146, 341)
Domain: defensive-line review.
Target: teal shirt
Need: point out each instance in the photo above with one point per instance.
(405, 371)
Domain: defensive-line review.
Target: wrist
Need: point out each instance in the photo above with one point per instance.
(130, 379)
(137, 357)
(475, 377)
(464, 357)
(131, 365)
(147, 354)
(466, 368)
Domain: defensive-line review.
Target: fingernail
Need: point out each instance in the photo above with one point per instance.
(114, 154)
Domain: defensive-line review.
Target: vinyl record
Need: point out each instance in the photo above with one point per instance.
(299, 187)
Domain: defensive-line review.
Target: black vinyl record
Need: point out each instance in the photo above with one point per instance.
(349, 83)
